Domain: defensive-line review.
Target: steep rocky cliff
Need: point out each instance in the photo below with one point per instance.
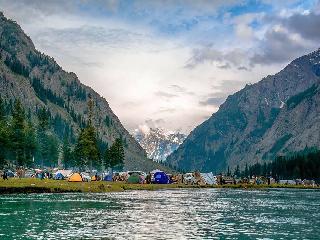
(278, 115)
(38, 81)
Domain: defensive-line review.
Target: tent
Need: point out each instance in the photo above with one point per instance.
(161, 178)
(58, 176)
(93, 178)
(76, 177)
(154, 171)
(108, 178)
(96, 178)
(10, 173)
(209, 178)
(134, 178)
(65, 173)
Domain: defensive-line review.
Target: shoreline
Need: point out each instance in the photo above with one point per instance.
(31, 185)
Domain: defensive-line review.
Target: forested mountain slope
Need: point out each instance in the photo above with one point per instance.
(276, 116)
(38, 81)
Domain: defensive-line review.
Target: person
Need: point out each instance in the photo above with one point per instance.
(5, 175)
(148, 178)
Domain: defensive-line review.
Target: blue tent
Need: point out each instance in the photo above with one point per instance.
(10, 173)
(108, 178)
(58, 176)
(161, 178)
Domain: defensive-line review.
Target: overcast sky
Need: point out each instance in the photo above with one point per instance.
(169, 63)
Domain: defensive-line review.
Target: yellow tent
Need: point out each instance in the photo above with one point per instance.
(93, 178)
(76, 177)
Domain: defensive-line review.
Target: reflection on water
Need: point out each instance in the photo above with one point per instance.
(165, 214)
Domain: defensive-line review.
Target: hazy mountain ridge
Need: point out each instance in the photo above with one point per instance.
(158, 143)
(37, 80)
(278, 115)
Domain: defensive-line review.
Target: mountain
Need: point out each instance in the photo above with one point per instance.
(158, 143)
(276, 116)
(38, 81)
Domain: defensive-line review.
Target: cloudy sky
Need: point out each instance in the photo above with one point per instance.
(169, 63)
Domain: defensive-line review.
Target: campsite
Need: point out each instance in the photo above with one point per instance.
(58, 181)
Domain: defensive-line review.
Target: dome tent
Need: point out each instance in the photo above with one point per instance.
(59, 176)
(65, 173)
(108, 178)
(134, 178)
(76, 177)
(160, 178)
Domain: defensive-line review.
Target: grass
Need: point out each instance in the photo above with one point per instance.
(31, 185)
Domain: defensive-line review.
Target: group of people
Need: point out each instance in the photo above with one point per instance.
(42, 175)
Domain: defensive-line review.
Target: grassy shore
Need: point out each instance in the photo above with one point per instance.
(31, 185)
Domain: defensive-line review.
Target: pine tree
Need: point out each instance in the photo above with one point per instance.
(67, 157)
(42, 135)
(107, 158)
(17, 134)
(87, 150)
(246, 171)
(237, 171)
(115, 155)
(79, 157)
(30, 144)
(2, 110)
(228, 172)
(265, 170)
(3, 134)
(53, 151)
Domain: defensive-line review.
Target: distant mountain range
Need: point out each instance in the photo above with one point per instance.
(277, 116)
(38, 81)
(158, 143)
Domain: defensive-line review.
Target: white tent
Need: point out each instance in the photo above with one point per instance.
(65, 173)
(209, 178)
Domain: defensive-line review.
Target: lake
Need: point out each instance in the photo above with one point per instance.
(165, 214)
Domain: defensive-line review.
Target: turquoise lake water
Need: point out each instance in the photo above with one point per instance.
(165, 214)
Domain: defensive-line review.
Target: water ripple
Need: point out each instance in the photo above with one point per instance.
(165, 214)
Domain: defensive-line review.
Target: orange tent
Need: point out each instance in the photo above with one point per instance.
(76, 177)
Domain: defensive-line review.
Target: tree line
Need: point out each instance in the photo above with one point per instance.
(31, 142)
(304, 165)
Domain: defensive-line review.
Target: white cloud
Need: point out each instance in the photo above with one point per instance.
(242, 25)
(141, 70)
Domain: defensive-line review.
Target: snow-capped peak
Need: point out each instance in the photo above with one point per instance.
(158, 142)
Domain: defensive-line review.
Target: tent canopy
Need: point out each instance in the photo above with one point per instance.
(209, 178)
(154, 171)
(76, 177)
(108, 178)
(65, 173)
(134, 178)
(161, 178)
(58, 176)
